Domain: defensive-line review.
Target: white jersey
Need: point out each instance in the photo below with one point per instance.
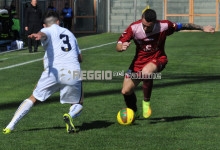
(61, 47)
(60, 62)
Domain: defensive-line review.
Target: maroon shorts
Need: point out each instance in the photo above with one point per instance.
(160, 62)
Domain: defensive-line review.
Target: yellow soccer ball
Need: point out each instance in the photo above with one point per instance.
(125, 116)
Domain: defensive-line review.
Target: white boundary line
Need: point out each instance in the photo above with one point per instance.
(28, 62)
(21, 64)
(12, 50)
(97, 46)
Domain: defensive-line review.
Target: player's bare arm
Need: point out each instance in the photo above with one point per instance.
(190, 26)
(122, 46)
(38, 36)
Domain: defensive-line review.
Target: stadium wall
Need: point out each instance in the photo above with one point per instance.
(115, 15)
(124, 12)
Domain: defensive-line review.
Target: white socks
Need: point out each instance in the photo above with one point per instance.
(22, 110)
(75, 110)
(26, 105)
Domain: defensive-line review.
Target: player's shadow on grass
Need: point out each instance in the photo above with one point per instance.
(177, 118)
(177, 80)
(98, 124)
(85, 126)
(46, 128)
(95, 125)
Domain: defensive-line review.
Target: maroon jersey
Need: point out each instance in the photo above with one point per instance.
(149, 46)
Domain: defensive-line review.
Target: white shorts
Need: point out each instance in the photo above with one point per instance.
(58, 81)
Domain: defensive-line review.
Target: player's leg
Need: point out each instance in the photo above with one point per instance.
(127, 91)
(22, 110)
(147, 88)
(156, 65)
(46, 86)
(76, 107)
(72, 94)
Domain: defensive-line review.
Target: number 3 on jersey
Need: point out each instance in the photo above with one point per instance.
(65, 39)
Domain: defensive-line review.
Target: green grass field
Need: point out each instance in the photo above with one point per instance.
(185, 102)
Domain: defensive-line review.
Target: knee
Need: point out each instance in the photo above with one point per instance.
(126, 91)
(32, 98)
(147, 71)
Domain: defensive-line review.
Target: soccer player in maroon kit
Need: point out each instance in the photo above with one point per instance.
(149, 36)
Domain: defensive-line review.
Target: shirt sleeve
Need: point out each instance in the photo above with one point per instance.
(77, 47)
(126, 36)
(172, 27)
(45, 31)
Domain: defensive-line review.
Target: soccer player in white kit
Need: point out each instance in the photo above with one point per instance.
(61, 72)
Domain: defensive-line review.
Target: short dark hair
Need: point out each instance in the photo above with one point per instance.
(150, 15)
(51, 14)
